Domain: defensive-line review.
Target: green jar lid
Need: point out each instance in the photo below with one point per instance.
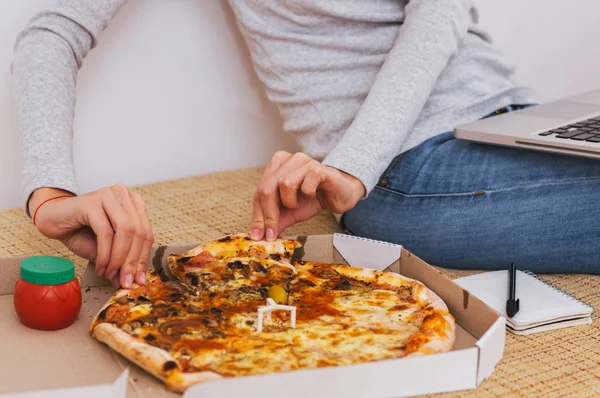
(47, 270)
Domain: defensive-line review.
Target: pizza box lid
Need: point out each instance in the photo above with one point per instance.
(68, 360)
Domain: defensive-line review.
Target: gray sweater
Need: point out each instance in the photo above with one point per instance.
(357, 82)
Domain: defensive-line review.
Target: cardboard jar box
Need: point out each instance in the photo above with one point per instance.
(69, 363)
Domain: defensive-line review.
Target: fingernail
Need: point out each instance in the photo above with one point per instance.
(142, 277)
(112, 274)
(101, 271)
(270, 234)
(255, 234)
(128, 281)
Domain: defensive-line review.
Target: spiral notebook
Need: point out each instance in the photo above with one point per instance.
(542, 307)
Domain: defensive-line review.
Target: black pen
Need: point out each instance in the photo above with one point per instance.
(512, 305)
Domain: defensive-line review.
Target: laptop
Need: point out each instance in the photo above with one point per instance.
(569, 126)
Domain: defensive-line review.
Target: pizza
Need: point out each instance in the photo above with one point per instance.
(313, 315)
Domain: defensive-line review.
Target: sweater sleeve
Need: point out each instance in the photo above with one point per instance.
(428, 38)
(47, 56)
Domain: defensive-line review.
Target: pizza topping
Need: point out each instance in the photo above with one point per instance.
(122, 300)
(237, 264)
(102, 315)
(258, 251)
(210, 322)
(169, 365)
(278, 294)
(343, 285)
(161, 309)
(177, 327)
(116, 313)
(184, 259)
(176, 296)
(261, 268)
(324, 272)
(303, 282)
(149, 337)
(192, 278)
(201, 259)
(196, 345)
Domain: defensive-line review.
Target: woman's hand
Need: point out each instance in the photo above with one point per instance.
(295, 188)
(108, 226)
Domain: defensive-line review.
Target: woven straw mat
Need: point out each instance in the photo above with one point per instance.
(562, 363)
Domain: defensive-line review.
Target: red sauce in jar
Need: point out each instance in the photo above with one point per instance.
(47, 294)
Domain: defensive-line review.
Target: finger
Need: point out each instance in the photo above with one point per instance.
(115, 280)
(314, 177)
(98, 221)
(330, 188)
(278, 159)
(140, 205)
(129, 267)
(257, 227)
(286, 218)
(269, 204)
(308, 208)
(124, 231)
(269, 190)
(290, 181)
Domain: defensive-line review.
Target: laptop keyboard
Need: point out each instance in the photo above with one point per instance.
(586, 130)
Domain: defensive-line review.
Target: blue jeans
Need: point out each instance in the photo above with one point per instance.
(464, 205)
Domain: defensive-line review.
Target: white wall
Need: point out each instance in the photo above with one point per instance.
(555, 43)
(179, 71)
(168, 92)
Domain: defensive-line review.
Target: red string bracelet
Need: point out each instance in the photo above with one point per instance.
(46, 201)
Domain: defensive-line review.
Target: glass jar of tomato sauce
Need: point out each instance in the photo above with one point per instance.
(47, 294)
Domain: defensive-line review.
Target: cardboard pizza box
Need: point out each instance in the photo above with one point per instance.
(64, 362)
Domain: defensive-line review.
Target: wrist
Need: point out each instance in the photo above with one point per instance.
(359, 188)
(42, 194)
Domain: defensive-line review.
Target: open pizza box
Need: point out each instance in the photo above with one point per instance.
(69, 363)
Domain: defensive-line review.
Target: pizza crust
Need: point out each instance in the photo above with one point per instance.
(153, 359)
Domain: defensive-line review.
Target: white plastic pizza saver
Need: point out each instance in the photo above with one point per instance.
(272, 305)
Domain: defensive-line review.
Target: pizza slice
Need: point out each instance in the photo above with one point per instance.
(233, 261)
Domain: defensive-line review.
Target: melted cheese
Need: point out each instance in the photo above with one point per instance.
(140, 310)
